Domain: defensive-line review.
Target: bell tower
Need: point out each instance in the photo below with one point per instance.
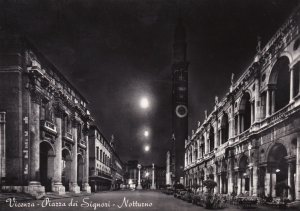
(179, 98)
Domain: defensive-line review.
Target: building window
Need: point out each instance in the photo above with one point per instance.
(101, 155)
(97, 153)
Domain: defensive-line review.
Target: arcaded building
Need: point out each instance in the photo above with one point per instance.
(250, 142)
(44, 123)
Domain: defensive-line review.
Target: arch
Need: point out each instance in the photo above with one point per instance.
(211, 138)
(47, 154)
(245, 112)
(243, 163)
(80, 170)
(66, 167)
(276, 152)
(224, 128)
(280, 70)
(48, 144)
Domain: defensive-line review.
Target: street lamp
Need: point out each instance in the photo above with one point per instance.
(144, 102)
(147, 148)
(146, 133)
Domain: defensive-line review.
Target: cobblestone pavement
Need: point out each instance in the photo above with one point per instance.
(114, 200)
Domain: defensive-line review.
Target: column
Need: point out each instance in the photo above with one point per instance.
(239, 183)
(34, 173)
(254, 181)
(153, 175)
(206, 147)
(57, 186)
(216, 134)
(139, 187)
(291, 84)
(73, 181)
(290, 178)
(239, 124)
(273, 101)
(242, 123)
(268, 104)
(216, 179)
(230, 181)
(86, 187)
(34, 186)
(297, 185)
(257, 100)
(252, 112)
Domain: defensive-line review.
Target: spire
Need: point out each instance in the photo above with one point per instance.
(179, 47)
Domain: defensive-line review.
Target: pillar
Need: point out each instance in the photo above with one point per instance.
(291, 84)
(34, 186)
(257, 100)
(254, 180)
(273, 101)
(216, 134)
(153, 175)
(206, 143)
(239, 184)
(230, 182)
(268, 104)
(239, 124)
(297, 185)
(86, 187)
(57, 186)
(242, 122)
(73, 181)
(290, 178)
(252, 112)
(139, 187)
(34, 175)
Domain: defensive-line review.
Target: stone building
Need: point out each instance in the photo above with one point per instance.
(250, 142)
(100, 160)
(44, 123)
(117, 167)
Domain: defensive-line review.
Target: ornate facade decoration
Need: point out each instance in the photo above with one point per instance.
(251, 141)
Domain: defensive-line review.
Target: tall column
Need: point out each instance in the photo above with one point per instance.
(257, 100)
(34, 173)
(239, 183)
(268, 104)
(290, 178)
(216, 134)
(34, 186)
(153, 174)
(230, 178)
(86, 187)
(252, 112)
(239, 124)
(206, 147)
(139, 187)
(291, 84)
(73, 182)
(297, 185)
(57, 186)
(254, 181)
(273, 101)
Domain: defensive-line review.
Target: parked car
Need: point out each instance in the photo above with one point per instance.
(181, 193)
(177, 189)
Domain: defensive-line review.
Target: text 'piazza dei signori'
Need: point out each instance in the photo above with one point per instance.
(250, 142)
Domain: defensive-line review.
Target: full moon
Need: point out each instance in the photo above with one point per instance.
(144, 103)
(147, 148)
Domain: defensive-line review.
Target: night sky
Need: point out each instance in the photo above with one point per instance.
(116, 51)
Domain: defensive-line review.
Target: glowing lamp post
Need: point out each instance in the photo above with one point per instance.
(139, 187)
